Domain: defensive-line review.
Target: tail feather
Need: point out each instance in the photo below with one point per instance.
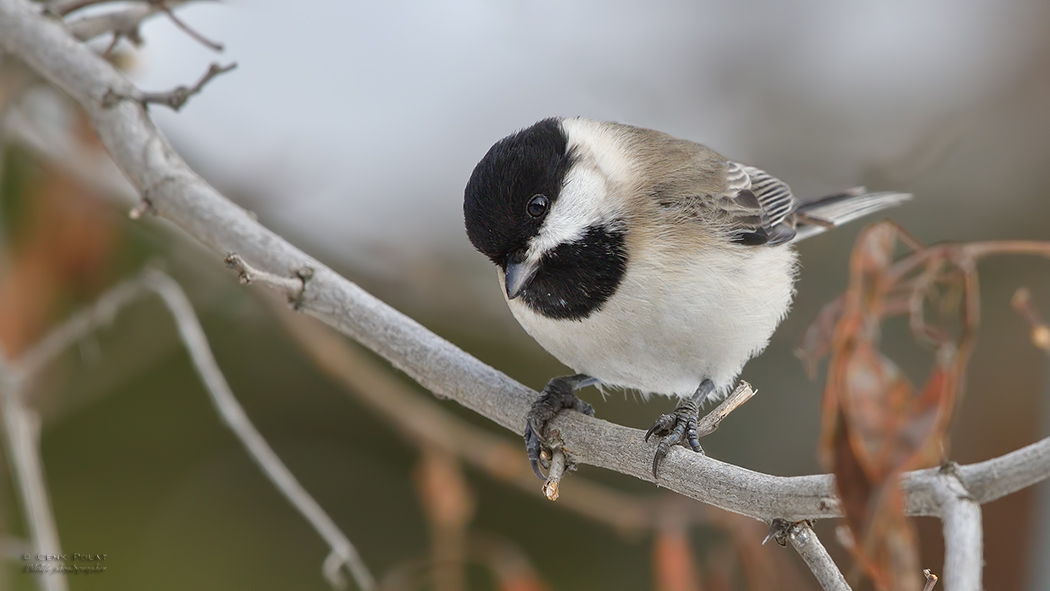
(820, 214)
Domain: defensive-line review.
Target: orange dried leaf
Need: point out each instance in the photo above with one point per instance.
(444, 493)
(874, 425)
(816, 340)
(673, 563)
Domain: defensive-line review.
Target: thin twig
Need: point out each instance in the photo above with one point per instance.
(293, 289)
(709, 423)
(232, 413)
(554, 474)
(22, 431)
(174, 99)
(805, 541)
(931, 580)
(166, 7)
(78, 326)
(1022, 302)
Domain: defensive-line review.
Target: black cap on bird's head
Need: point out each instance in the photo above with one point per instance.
(512, 189)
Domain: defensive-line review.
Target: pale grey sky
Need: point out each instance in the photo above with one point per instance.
(356, 121)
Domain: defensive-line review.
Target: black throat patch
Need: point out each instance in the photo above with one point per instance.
(575, 279)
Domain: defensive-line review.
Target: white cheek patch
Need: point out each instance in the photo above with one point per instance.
(587, 197)
(580, 205)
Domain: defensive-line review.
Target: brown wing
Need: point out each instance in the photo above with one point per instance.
(762, 206)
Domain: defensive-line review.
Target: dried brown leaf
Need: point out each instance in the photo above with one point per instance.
(673, 564)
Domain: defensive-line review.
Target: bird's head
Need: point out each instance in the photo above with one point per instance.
(539, 209)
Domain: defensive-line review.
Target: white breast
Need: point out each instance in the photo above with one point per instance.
(675, 321)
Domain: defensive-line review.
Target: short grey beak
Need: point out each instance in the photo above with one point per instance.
(518, 276)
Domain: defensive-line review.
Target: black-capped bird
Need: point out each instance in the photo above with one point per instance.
(641, 260)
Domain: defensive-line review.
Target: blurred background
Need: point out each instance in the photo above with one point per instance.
(350, 128)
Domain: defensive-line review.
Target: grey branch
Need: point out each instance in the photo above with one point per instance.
(963, 534)
(805, 541)
(178, 194)
(122, 23)
(174, 99)
(64, 7)
(81, 324)
(22, 434)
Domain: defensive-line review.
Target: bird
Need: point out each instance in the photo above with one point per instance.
(641, 261)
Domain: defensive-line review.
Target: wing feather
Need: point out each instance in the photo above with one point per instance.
(774, 196)
(753, 206)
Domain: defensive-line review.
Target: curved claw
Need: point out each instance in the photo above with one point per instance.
(532, 448)
(536, 469)
(676, 428)
(661, 427)
(660, 453)
(650, 432)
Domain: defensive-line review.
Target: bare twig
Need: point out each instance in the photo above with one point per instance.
(166, 7)
(1022, 302)
(931, 580)
(174, 99)
(192, 335)
(121, 23)
(22, 434)
(181, 196)
(805, 541)
(963, 534)
(554, 474)
(709, 423)
(293, 289)
(79, 326)
(233, 414)
(141, 209)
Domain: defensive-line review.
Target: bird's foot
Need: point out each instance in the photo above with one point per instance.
(560, 393)
(679, 426)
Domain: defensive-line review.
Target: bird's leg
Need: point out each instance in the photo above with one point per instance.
(680, 426)
(558, 394)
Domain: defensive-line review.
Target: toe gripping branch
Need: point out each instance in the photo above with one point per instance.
(680, 426)
(560, 393)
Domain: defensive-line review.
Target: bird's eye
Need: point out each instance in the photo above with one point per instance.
(538, 205)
